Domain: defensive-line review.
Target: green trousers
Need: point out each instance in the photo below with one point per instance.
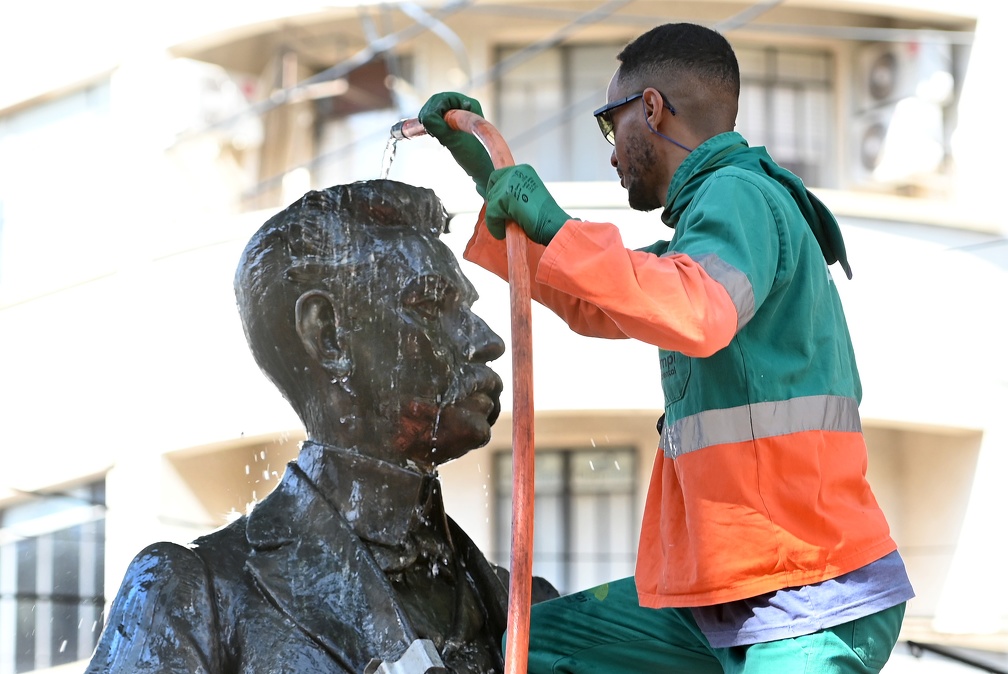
(604, 630)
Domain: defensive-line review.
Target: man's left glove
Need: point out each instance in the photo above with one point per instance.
(466, 148)
(517, 193)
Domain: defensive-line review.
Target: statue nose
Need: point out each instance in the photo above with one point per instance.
(487, 344)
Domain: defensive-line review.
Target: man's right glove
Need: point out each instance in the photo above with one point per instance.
(466, 148)
(518, 193)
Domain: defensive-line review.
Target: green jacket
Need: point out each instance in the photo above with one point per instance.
(759, 478)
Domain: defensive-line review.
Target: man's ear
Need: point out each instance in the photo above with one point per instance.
(321, 336)
(654, 106)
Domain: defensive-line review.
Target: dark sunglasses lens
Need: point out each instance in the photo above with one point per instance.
(606, 126)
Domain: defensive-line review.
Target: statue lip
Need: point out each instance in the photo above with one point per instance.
(481, 392)
(487, 382)
(479, 401)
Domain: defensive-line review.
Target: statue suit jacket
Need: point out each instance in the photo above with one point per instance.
(288, 588)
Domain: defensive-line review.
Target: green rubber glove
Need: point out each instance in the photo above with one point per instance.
(466, 148)
(517, 193)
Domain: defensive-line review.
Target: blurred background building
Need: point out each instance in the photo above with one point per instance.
(141, 144)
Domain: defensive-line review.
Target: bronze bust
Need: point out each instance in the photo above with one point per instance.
(362, 318)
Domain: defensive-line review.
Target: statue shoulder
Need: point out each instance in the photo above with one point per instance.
(163, 618)
(165, 562)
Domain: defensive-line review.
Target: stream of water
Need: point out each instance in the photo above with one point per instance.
(388, 157)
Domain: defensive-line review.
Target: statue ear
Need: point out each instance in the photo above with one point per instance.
(321, 336)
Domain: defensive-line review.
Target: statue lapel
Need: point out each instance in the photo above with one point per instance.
(307, 561)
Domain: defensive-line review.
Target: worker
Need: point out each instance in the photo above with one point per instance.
(762, 548)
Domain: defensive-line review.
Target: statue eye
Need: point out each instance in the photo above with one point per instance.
(429, 308)
(429, 297)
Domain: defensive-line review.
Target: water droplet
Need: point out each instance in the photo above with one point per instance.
(593, 442)
(247, 469)
(63, 646)
(591, 464)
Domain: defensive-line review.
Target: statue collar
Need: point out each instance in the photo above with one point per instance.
(381, 501)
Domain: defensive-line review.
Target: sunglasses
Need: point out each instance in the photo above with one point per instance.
(604, 114)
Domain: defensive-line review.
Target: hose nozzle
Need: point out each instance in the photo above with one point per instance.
(407, 128)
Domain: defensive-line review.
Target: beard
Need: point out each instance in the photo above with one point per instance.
(641, 160)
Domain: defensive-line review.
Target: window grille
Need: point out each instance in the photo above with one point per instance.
(52, 554)
(585, 524)
(786, 104)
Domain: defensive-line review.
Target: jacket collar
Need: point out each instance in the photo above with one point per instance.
(706, 158)
(730, 150)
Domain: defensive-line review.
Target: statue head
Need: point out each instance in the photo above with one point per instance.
(361, 317)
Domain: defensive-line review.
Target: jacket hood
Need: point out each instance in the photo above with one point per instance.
(732, 150)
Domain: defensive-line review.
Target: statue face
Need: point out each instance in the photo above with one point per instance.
(419, 352)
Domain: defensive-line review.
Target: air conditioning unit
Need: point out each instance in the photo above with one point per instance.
(898, 145)
(897, 130)
(887, 72)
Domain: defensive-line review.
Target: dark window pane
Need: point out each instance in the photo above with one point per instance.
(65, 594)
(24, 640)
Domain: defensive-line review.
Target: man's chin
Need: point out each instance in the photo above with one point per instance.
(641, 202)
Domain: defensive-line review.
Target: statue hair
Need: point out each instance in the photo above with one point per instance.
(326, 240)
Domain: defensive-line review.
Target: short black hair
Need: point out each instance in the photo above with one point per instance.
(685, 48)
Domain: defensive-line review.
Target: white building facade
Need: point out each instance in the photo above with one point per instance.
(135, 164)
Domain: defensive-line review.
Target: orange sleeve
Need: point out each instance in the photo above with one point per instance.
(600, 288)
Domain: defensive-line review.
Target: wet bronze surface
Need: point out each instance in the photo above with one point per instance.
(362, 318)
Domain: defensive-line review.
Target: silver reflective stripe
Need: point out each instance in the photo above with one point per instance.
(760, 420)
(732, 280)
(735, 282)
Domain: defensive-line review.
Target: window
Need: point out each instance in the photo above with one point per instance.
(546, 99)
(352, 129)
(786, 104)
(545, 108)
(585, 530)
(59, 153)
(52, 553)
